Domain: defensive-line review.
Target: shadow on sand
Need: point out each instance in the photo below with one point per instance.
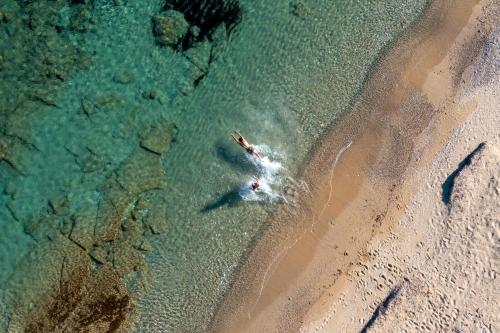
(448, 184)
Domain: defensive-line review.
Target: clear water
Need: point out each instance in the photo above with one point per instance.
(280, 79)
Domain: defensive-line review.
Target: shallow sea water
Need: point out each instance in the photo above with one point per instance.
(280, 79)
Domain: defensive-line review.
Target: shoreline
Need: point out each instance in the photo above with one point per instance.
(375, 178)
(88, 156)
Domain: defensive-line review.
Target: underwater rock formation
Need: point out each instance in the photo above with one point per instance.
(299, 9)
(159, 136)
(81, 20)
(207, 16)
(170, 28)
(35, 55)
(70, 294)
(92, 267)
(200, 55)
(199, 29)
(95, 104)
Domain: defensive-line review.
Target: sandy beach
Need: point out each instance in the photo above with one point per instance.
(397, 224)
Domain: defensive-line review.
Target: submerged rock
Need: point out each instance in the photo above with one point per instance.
(59, 206)
(140, 173)
(90, 162)
(126, 258)
(92, 105)
(208, 15)
(199, 55)
(156, 219)
(82, 232)
(124, 77)
(150, 94)
(3, 148)
(159, 136)
(170, 27)
(299, 9)
(37, 56)
(86, 302)
(81, 21)
(144, 245)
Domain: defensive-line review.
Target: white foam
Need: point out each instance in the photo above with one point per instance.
(270, 172)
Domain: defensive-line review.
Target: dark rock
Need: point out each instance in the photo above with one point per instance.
(208, 15)
(4, 17)
(199, 55)
(299, 9)
(159, 136)
(80, 2)
(170, 27)
(150, 94)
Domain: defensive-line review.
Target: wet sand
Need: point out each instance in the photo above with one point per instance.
(361, 179)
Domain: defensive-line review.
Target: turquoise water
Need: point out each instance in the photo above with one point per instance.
(287, 70)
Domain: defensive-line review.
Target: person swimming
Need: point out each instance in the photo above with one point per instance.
(255, 184)
(239, 139)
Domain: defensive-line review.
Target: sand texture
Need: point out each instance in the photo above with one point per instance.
(395, 234)
(437, 270)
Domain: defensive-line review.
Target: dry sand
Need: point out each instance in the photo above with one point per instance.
(375, 245)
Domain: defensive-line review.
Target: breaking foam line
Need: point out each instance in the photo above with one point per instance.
(339, 154)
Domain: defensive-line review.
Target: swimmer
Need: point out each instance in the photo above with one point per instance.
(239, 139)
(255, 184)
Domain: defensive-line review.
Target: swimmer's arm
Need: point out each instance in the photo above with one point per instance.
(236, 140)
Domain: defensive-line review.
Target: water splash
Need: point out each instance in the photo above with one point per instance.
(271, 174)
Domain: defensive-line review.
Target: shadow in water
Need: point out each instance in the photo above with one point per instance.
(235, 158)
(230, 199)
(448, 184)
